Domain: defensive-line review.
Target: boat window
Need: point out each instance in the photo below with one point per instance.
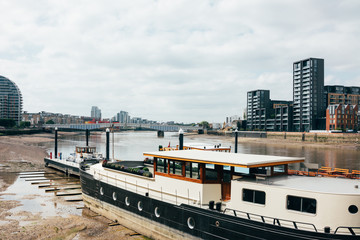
(161, 165)
(210, 172)
(279, 169)
(301, 204)
(353, 209)
(242, 170)
(175, 167)
(261, 170)
(227, 174)
(254, 196)
(192, 170)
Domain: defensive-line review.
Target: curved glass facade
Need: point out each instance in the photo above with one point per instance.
(10, 100)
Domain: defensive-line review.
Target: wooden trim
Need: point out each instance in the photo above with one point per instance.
(202, 172)
(179, 177)
(155, 166)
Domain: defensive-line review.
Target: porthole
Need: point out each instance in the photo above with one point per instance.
(101, 191)
(191, 223)
(127, 201)
(217, 223)
(157, 212)
(353, 209)
(114, 196)
(140, 206)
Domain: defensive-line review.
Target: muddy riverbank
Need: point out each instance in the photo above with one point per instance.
(20, 154)
(24, 153)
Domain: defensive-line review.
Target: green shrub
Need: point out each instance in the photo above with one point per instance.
(147, 174)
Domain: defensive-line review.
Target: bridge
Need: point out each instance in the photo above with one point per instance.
(99, 126)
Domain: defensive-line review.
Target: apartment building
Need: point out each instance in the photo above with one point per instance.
(308, 92)
(342, 117)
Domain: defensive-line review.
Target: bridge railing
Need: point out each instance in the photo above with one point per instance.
(84, 126)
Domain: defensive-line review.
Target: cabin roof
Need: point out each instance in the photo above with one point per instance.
(316, 184)
(223, 158)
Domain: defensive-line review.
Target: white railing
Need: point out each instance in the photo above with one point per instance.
(132, 185)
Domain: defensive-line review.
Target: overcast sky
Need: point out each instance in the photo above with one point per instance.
(164, 60)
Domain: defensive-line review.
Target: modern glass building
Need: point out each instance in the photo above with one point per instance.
(10, 100)
(258, 106)
(308, 95)
(95, 113)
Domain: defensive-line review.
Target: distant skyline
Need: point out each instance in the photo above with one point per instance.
(183, 61)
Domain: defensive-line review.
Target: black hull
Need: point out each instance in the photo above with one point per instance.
(209, 224)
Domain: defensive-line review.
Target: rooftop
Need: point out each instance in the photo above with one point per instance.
(224, 158)
(317, 184)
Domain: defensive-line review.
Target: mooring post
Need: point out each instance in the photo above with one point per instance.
(107, 144)
(56, 146)
(87, 137)
(236, 140)
(181, 139)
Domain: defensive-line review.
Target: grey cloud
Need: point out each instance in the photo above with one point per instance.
(171, 60)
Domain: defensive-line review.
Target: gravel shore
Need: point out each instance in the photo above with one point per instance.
(22, 153)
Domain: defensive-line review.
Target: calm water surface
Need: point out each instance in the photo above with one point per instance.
(130, 145)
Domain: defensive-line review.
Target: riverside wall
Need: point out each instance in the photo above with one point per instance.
(330, 138)
(304, 137)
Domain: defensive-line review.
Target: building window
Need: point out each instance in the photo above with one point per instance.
(254, 196)
(301, 204)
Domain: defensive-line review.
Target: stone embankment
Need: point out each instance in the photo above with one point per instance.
(326, 138)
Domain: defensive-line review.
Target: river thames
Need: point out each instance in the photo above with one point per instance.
(130, 145)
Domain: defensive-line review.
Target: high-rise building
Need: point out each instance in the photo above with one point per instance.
(258, 104)
(280, 117)
(10, 100)
(95, 113)
(123, 117)
(308, 94)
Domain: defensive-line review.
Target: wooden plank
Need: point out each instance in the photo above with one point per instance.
(58, 185)
(35, 183)
(55, 189)
(42, 173)
(75, 200)
(27, 172)
(112, 224)
(30, 180)
(68, 194)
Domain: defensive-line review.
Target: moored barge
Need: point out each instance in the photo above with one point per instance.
(71, 164)
(217, 195)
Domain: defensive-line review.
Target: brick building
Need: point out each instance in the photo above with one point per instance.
(341, 116)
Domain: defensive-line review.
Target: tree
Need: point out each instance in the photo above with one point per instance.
(204, 124)
(24, 124)
(50, 121)
(7, 123)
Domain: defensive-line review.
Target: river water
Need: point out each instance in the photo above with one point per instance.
(130, 145)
